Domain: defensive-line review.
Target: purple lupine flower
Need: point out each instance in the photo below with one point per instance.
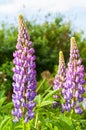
(24, 77)
(74, 80)
(60, 77)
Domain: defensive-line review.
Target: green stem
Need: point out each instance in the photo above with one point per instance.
(71, 114)
(36, 121)
(46, 91)
(40, 85)
(24, 127)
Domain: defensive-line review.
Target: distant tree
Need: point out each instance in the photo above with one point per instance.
(48, 39)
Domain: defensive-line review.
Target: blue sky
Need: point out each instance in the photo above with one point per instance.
(73, 10)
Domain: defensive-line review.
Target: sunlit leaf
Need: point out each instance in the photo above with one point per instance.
(2, 100)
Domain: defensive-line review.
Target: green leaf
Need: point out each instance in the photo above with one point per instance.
(7, 124)
(65, 122)
(2, 93)
(18, 127)
(66, 119)
(84, 95)
(38, 99)
(55, 128)
(4, 122)
(2, 100)
(5, 107)
(45, 103)
(38, 88)
(51, 93)
(49, 125)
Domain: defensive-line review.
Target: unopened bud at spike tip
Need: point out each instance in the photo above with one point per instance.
(73, 43)
(61, 59)
(20, 16)
(60, 55)
(72, 39)
(21, 22)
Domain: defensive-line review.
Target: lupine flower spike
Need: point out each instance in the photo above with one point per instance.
(60, 76)
(24, 77)
(74, 80)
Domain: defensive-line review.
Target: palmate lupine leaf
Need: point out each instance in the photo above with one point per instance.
(47, 100)
(2, 100)
(51, 93)
(2, 94)
(6, 106)
(4, 123)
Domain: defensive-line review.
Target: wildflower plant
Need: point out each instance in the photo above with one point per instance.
(74, 85)
(24, 85)
(60, 76)
(66, 91)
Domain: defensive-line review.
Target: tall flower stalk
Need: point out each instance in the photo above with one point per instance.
(24, 85)
(60, 76)
(74, 86)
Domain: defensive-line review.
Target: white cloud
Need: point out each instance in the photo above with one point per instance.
(13, 7)
(46, 5)
(74, 10)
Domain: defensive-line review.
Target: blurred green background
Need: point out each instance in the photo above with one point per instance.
(48, 39)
